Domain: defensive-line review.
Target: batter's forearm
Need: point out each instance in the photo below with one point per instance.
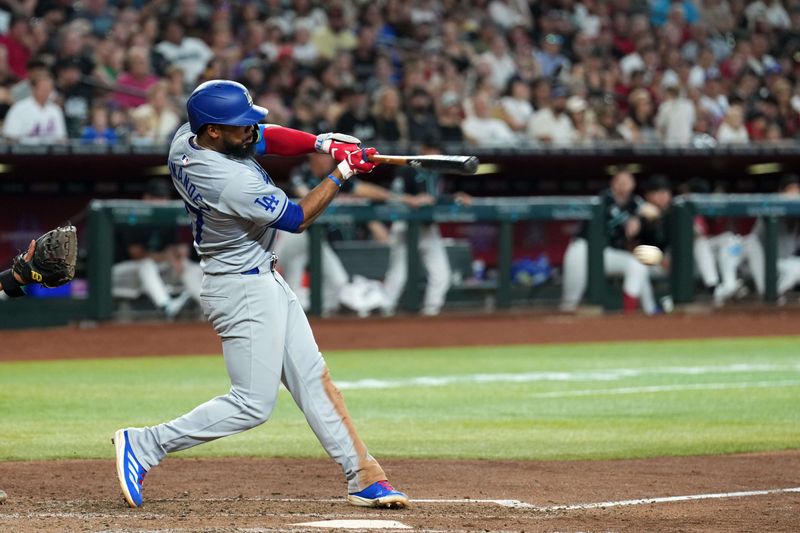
(278, 140)
(315, 202)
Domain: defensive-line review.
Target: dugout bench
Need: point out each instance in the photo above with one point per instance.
(104, 215)
(769, 206)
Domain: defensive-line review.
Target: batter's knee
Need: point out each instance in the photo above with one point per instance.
(255, 411)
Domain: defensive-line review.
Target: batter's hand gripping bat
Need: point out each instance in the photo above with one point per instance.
(453, 164)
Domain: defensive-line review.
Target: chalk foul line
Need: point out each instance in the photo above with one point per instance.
(669, 499)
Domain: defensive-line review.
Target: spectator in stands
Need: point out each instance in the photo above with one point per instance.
(356, 119)
(74, 96)
(304, 50)
(18, 44)
(194, 16)
(639, 126)
(623, 211)
(390, 121)
(109, 61)
(676, 116)
(510, 13)
(608, 123)
(483, 129)
(99, 130)
(583, 121)
(516, 105)
(146, 256)
(732, 130)
(421, 116)
(190, 53)
(335, 37)
(36, 119)
(551, 61)
(551, 124)
(499, 61)
(449, 118)
(7, 77)
(608, 53)
(133, 83)
(160, 117)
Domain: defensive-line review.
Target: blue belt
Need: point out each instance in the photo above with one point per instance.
(273, 262)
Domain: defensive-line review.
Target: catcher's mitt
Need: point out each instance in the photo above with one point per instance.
(53, 261)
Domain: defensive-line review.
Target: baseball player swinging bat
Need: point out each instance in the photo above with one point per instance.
(454, 164)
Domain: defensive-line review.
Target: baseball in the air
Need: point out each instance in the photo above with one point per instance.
(649, 255)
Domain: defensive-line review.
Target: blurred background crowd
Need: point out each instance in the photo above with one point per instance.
(482, 72)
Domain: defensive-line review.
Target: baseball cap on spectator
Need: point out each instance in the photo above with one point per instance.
(449, 98)
(554, 38)
(576, 104)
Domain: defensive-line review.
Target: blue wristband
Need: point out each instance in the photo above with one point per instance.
(336, 181)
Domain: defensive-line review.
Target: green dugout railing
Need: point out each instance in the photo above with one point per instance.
(104, 215)
(769, 206)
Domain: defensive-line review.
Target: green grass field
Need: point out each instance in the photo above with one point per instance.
(582, 401)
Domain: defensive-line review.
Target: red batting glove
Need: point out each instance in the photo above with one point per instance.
(336, 144)
(356, 162)
(359, 160)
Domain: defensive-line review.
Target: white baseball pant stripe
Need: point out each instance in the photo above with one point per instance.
(266, 339)
(636, 276)
(434, 259)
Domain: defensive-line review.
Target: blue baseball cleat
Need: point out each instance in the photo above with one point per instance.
(130, 471)
(379, 494)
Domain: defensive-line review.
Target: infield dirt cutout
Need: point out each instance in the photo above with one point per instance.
(254, 494)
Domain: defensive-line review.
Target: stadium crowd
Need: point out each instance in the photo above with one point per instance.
(484, 72)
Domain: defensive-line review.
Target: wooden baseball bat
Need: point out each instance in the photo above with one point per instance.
(454, 164)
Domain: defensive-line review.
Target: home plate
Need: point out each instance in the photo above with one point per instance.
(356, 524)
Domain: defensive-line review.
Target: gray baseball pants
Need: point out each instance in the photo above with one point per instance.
(266, 340)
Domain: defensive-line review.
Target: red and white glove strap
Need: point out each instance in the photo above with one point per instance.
(357, 162)
(326, 143)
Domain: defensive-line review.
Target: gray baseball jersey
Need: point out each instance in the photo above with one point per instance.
(232, 203)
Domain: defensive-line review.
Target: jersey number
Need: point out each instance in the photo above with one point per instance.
(197, 222)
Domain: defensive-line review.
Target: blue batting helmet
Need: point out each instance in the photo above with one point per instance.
(222, 102)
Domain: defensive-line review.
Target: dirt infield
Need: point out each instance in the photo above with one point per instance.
(274, 494)
(729, 493)
(181, 338)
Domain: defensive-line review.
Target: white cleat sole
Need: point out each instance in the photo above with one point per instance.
(119, 447)
(390, 502)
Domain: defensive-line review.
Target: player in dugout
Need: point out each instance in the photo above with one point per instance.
(236, 210)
